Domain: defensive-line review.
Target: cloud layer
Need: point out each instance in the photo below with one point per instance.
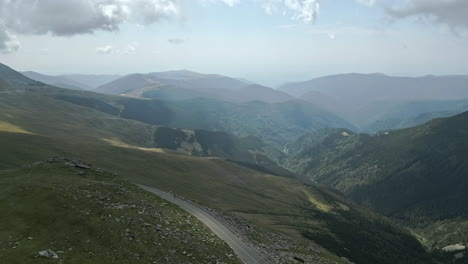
(453, 13)
(305, 11)
(71, 17)
(8, 41)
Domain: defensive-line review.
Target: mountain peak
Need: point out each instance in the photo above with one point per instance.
(184, 75)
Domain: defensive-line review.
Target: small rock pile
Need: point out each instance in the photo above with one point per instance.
(70, 163)
(48, 254)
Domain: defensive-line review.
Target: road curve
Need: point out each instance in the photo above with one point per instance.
(242, 250)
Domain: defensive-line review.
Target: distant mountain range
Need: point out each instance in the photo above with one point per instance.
(367, 99)
(370, 102)
(75, 82)
(381, 87)
(169, 86)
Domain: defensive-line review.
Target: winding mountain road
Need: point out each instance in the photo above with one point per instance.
(242, 250)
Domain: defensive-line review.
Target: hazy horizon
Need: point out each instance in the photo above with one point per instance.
(275, 86)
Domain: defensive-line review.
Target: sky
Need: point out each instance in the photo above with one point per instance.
(265, 41)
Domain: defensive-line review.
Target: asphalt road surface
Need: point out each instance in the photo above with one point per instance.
(242, 250)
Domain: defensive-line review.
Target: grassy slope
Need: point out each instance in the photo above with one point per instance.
(96, 218)
(274, 203)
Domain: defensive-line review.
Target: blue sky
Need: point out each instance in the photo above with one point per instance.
(243, 39)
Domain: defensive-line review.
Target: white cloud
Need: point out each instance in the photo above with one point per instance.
(45, 51)
(176, 41)
(131, 48)
(453, 13)
(367, 2)
(8, 42)
(268, 7)
(305, 11)
(104, 50)
(72, 17)
(231, 2)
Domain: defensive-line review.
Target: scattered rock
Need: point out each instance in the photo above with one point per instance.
(455, 247)
(48, 254)
(298, 259)
(69, 164)
(346, 260)
(83, 166)
(55, 159)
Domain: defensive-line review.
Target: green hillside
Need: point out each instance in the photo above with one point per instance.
(91, 216)
(416, 175)
(284, 217)
(391, 171)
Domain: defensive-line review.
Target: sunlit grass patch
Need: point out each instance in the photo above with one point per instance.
(124, 145)
(317, 201)
(7, 127)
